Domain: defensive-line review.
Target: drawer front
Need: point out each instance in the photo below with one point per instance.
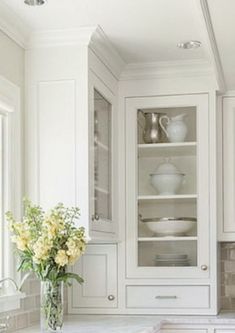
(168, 297)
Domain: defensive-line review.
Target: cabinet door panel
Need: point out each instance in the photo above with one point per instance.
(228, 226)
(148, 247)
(102, 152)
(56, 135)
(98, 267)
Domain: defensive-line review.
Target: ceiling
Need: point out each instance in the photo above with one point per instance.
(140, 30)
(143, 31)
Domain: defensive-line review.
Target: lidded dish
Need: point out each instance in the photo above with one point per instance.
(167, 179)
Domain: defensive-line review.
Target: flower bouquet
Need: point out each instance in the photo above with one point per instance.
(47, 243)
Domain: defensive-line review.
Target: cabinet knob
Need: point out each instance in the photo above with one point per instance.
(204, 267)
(95, 217)
(111, 297)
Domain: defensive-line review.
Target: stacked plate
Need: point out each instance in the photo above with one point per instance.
(171, 260)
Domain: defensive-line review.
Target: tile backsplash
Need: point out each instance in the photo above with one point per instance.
(228, 276)
(29, 312)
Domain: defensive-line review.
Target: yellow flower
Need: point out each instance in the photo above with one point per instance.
(41, 249)
(72, 260)
(61, 258)
(22, 239)
(21, 242)
(76, 248)
(53, 225)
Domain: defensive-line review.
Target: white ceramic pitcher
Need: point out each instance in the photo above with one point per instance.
(175, 129)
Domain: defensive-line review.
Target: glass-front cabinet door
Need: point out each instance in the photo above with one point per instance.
(101, 160)
(167, 187)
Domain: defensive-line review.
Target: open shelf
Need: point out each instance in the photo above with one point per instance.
(167, 238)
(167, 149)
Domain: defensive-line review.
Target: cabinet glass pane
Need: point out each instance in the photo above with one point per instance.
(102, 157)
(167, 187)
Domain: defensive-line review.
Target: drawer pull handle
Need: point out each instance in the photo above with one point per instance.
(166, 297)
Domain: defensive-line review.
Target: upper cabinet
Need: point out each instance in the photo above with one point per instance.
(71, 128)
(227, 224)
(103, 154)
(167, 189)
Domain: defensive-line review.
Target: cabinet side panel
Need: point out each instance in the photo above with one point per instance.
(56, 117)
(229, 165)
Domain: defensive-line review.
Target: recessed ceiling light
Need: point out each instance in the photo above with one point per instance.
(35, 2)
(192, 44)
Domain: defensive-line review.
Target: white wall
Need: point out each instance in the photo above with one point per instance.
(11, 60)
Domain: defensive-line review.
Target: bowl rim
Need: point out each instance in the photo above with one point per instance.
(168, 219)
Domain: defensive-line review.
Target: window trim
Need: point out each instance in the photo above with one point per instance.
(10, 106)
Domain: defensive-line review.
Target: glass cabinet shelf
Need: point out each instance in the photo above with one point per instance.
(167, 238)
(185, 197)
(101, 145)
(166, 149)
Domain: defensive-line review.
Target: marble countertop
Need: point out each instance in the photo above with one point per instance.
(132, 324)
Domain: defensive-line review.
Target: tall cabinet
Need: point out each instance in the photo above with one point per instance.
(71, 147)
(149, 251)
(87, 146)
(169, 227)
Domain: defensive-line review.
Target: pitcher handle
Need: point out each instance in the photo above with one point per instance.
(162, 126)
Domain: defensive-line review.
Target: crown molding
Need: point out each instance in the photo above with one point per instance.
(166, 69)
(92, 37)
(107, 53)
(212, 45)
(60, 37)
(13, 26)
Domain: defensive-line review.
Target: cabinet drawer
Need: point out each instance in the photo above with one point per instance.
(168, 297)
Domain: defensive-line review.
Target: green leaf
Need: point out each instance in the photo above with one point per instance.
(66, 276)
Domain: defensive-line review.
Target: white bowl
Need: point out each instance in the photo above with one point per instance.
(167, 184)
(171, 228)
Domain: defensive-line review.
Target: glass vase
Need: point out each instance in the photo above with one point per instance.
(51, 306)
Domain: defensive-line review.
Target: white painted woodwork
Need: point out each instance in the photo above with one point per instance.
(197, 191)
(59, 127)
(168, 297)
(98, 267)
(227, 225)
(11, 183)
(56, 130)
(110, 181)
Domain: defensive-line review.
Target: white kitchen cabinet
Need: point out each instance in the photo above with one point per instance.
(98, 267)
(227, 224)
(70, 130)
(191, 200)
(186, 285)
(103, 156)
